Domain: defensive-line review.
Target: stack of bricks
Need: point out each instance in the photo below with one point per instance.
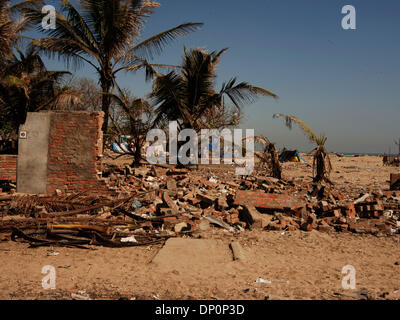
(392, 206)
(8, 168)
(371, 209)
(75, 146)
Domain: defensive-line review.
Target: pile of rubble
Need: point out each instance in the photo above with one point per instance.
(152, 203)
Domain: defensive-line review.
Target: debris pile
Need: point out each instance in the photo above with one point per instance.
(152, 204)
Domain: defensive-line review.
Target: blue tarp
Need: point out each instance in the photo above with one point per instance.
(122, 148)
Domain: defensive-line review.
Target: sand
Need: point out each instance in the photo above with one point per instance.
(298, 264)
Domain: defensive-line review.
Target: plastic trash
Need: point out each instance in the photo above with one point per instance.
(116, 148)
(153, 185)
(129, 239)
(81, 295)
(213, 180)
(136, 204)
(125, 148)
(261, 280)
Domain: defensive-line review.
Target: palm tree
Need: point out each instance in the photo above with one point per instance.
(321, 162)
(268, 157)
(105, 34)
(10, 28)
(139, 115)
(189, 96)
(27, 86)
(7, 27)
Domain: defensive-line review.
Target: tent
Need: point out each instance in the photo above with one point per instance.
(291, 155)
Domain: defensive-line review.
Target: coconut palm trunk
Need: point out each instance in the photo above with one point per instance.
(106, 85)
(276, 169)
(321, 161)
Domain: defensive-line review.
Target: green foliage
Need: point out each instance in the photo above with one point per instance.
(189, 96)
(106, 35)
(27, 86)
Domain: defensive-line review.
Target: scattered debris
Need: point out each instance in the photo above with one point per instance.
(151, 205)
(81, 295)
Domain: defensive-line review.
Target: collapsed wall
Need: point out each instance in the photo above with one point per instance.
(60, 150)
(8, 168)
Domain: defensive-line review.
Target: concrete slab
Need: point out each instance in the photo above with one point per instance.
(191, 254)
(33, 148)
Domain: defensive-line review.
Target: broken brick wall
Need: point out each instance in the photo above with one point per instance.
(269, 201)
(8, 167)
(75, 144)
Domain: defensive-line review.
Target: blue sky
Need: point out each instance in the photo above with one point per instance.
(344, 83)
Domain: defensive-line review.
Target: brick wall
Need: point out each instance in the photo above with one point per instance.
(75, 143)
(8, 167)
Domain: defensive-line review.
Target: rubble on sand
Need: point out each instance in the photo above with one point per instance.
(150, 204)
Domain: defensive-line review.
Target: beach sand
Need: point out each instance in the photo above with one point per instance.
(299, 265)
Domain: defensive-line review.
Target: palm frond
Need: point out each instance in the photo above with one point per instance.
(216, 56)
(260, 139)
(243, 92)
(289, 119)
(155, 44)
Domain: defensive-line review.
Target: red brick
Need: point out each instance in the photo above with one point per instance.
(264, 200)
(8, 167)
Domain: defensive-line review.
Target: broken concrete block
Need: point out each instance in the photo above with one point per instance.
(221, 203)
(171, 204)
(206, 198)
(220, 223)
(190, 256)
(180, 227)
(237, 251)
(254, 218)
(362, 199)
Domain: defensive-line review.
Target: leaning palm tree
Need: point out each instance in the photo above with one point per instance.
(190, 97)
(321, 161)
(106, 35)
